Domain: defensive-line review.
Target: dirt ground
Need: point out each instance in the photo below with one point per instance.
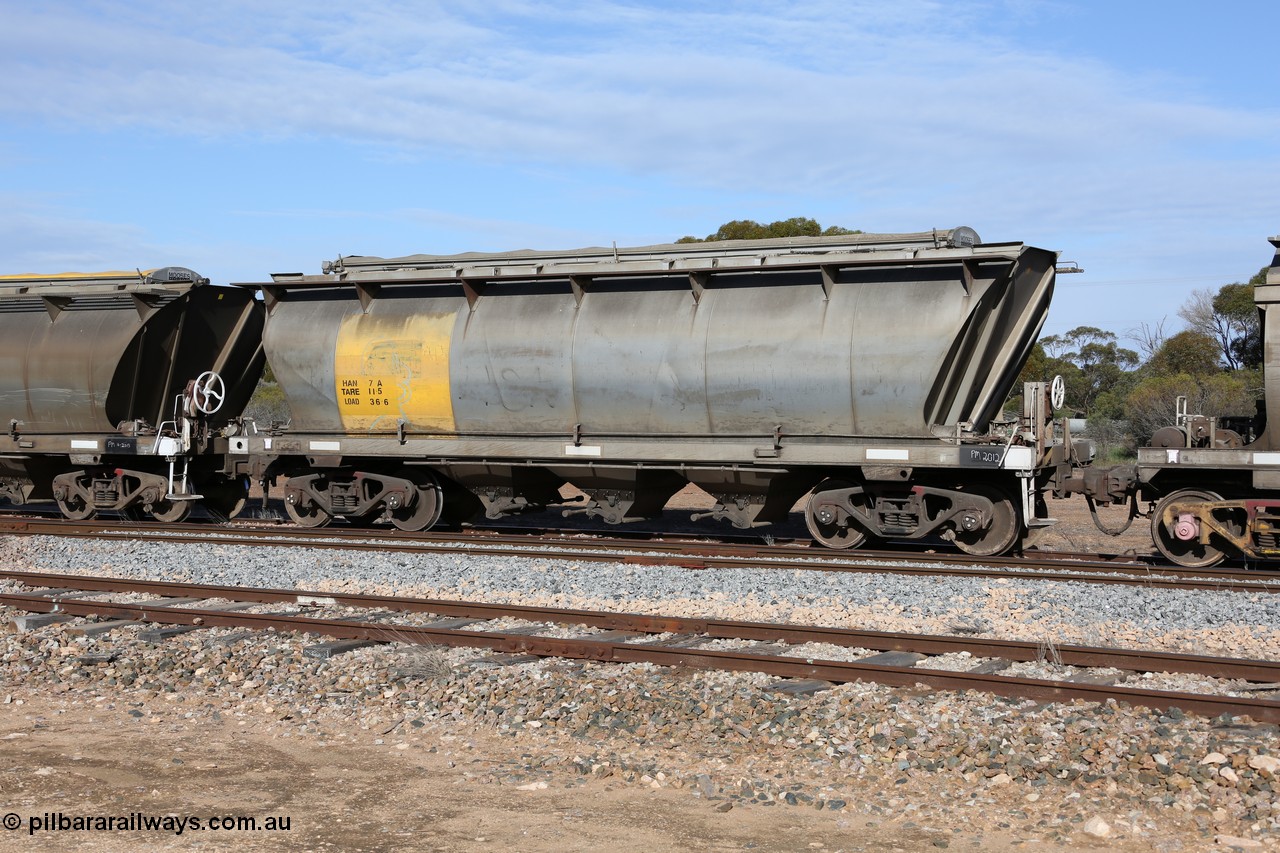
(365, 790)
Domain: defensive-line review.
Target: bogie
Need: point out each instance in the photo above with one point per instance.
(981, 519)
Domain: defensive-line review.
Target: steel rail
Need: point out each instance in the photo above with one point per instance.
(585, 647)
(681, 542)
(1217, 580)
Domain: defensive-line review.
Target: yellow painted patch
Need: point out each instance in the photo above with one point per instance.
(393, 368)
(136, 275)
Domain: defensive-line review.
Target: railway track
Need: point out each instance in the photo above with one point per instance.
(687, 543)
(692, 554)
(783, 650)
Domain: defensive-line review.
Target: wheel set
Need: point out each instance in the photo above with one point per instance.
(980, 520)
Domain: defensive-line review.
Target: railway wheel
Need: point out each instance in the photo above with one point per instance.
(997, 537)
(308, 516)
(427, 504)
(171, 512)
(831, 525)
(76, 509)
(1181, 543)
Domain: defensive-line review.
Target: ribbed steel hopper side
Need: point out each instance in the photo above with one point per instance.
(993, 344)
(828, 338)
(81, 353)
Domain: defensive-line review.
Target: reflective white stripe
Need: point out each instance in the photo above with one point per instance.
(1266, 459)
(1018, 458)
(325, 445)
(77, 444)
(585, 450)
(889, 455)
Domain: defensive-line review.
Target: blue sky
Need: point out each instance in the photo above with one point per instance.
(1141, 139)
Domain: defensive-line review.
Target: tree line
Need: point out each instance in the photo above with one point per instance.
(1127, 394)
(749, 229)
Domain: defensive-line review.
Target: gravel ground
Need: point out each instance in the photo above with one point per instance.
(957, 766)
(1224, 623)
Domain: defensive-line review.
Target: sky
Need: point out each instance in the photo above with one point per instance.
(1140, 139)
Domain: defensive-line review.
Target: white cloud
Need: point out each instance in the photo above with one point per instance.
(444, 226)
(826, 98)
(37, 233)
